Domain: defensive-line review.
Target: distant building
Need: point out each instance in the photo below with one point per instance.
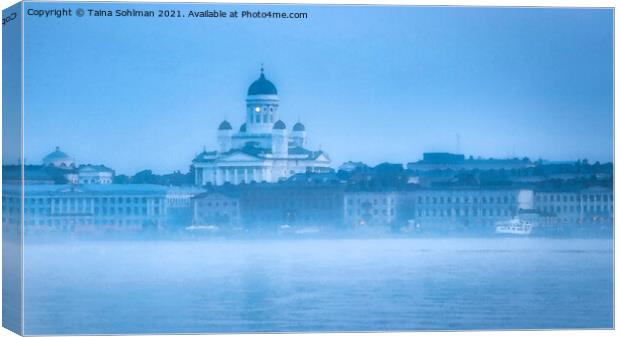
(219, 208)
(293, 204)
(451, 161)
(351, 166)
(303, 200)
(263, 150)
(181, 196)
(179, 205)
(366, 208)
(60, 168)
(59, 159)
(86, 208)
(94, 174)
(462, 206)
(574, 205)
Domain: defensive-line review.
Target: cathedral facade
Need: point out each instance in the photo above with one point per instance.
(263, 150)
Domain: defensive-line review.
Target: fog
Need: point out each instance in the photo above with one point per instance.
(278, 285)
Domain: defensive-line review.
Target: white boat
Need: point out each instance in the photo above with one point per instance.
(202, 228)
(514, 226)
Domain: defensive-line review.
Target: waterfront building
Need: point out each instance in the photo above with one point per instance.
(293, 203)
(263, 150)
(302, 200)
(181, 196)
(216, 208)
(370, 208)
(79, 208)
(179, 205)
(462, 206)
(575, 205)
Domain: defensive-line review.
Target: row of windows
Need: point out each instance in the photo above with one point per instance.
(572, 208)
(95, 181)
(265, 118)
(374, 201)
(103, 200)
(72, 222)
(288, 203)
(464, 212)
(572, 198)
(217, 204)
(374, 212)
(95, 210)
(216, 215)
(466, 200)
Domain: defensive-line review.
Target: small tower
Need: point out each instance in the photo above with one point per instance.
(262, 105)
(279, 142)
(224, 136)
(298, 136)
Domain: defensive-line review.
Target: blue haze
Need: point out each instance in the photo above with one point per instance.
(136, 93)
(317, 285)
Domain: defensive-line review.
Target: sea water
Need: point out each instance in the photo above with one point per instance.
(222, 285)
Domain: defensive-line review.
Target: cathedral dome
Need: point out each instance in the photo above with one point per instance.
(225, 126)
(262, 86)
(243, 128)
(58, 159)
(57, 155)
(279, 125)
(299, 127)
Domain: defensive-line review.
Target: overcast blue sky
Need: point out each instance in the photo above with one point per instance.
(371, 83)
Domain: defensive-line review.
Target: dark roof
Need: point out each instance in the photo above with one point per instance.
(262, 86)
(279, 125)
(243, 128)
(252, 149)
(101, 168)
(300, 150)
(225, 126)
(299, 127)
(105, 189)
(204, 156)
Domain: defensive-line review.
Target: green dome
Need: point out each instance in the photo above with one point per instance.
(279, 125)
(262, 86)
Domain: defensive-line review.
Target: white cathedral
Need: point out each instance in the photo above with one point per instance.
(263, 150)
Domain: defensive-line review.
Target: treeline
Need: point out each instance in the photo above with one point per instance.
(175, 178)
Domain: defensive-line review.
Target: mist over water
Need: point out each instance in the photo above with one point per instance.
(218, 285)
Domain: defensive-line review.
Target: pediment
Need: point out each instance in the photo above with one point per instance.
(322, 157)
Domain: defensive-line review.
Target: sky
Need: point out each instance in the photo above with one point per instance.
(370, 83)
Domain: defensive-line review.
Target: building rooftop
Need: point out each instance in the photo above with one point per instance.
(122, 189)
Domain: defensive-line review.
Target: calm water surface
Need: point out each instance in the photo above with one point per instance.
(317, 285)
